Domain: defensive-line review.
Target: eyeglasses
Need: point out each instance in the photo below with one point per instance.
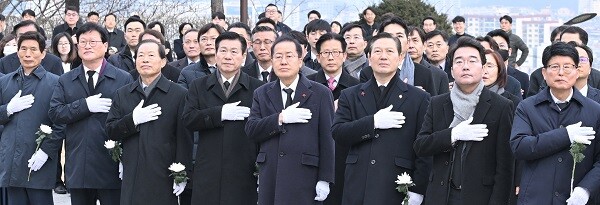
(332, 53)
(63, 44)
(490, 66)
(82, 44)
(566, 68)
(584, 59)
(259, 42)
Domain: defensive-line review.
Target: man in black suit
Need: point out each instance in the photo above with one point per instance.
(116, 37)
(191, 48)
(411, 72)
(168, 71)
(331, 49)
(466, 132)
(11, 63)
(262, 69)
(380, 120)
(416, 47)
(217, 105)
(71, 24)
(207, 35)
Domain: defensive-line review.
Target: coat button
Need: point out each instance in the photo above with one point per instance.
(555, 193)
(376, 135)
(560, 159)
(373, 161)
(281, 154)
(446, 163)
(283, 131)
(561, 126)
(442, 183)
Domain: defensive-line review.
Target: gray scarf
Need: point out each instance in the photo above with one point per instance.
(463, 104)
(407, 71)
(495, 88)
(353, 66)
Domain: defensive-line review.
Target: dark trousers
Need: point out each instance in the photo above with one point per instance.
(90, 196)
(25, 196)
(454, 197)
(3, 197)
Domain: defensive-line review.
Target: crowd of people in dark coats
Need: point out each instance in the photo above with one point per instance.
(333, 114)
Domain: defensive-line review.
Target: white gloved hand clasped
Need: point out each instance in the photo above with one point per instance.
(96, 104)
(579, 134)
(414, 198)
(38, 160)
(149, 113)
(178, 188)
(232, 111)
(387, 119)
(464, 131)
(293, 114)
(322, 190)
(579, 197)
(19, 103)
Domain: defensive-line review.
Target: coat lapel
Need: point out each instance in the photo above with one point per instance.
(367, 98)
(274, 94)
(214, 86)
(481, 109)
(303, 91)
(448, 111)
(398, 95)
(82, 79)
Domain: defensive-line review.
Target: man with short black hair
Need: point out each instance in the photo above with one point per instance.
(379, 121)
(168, 70)
(93, 17)
(459, 25)
(207, 35)
(369, 24)
(313, 15)
(545, 128)
(314, 30)
(81, 101)
(224, 175)
(518, 81)
(266, 22)
(71, 24)
(273, 13)
(29, 14)
(263, 38)
(429, 24)
(191, 48)
(516, 43)
(219, 19)
(356, 41)
(11, 63)
(126, 58)
(416, 47)
(243, 30)
(116, 37)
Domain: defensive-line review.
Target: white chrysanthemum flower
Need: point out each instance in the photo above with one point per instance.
(404, 179)
(177, 167)
(46, 129)
(109, 144)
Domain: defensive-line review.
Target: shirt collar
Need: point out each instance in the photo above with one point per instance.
(86, 69)
(337, 77)
(224, 79)
(292, 86)
(584, 90)
(190, 61)
(556, 100)
(261, 69)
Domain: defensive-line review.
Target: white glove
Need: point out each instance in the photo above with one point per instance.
(414, 198)
(579, 197)
(19, 103)
(580, 134)
(387, 119)
(142, 115)
(37, 160)
(121, 170)
(178, 188)
(464, 131)
(322, 190)
(97, 104)
(231, 111)
(293, 114)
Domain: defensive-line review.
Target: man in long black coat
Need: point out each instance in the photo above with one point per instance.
(291, 120)
(466, 132)
(380, 120)
(331, 49)
(146, 116)
(217, 106)
(82, 106)
(24, 104)
(11, 62)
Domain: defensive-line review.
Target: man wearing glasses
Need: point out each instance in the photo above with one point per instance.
(82, 100)
(262, 69)
(272, 12)
(584, 69)
(71, 22)
(466, 132)
(547, 124)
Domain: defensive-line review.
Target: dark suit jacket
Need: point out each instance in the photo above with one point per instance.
(522, 77)
(540, 139)
(593, 94)
(423, 78)
(308, 62)
(487, 165)
(252, 71)
(123, 60)
(117, 39)
(168, 71)
(513, 86)
(179, 64)
(192, 72)
(88, 165)
(341, 151)
(178, 49)
(292, 157)
(440, 78)
(11, 63)
(378, 155)
(226, 155)
(538, 83)
(65, 28)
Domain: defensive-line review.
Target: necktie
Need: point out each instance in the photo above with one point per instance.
(562, 106)
(265, 76)
(381, 88)
(212, 69)
(226, 84)
(90, 81)
(330, 83)
(289, 92)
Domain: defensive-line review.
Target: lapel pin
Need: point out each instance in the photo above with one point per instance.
(400, 96)
(362, 93)
(303, 95)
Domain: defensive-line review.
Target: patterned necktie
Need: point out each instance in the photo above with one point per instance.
(226, 84)
(330, 83)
